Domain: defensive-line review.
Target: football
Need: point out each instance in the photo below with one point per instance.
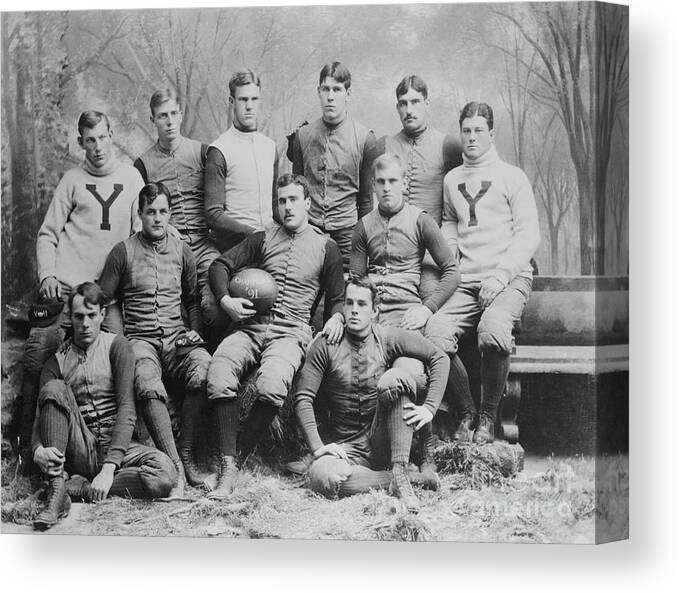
(256, 285)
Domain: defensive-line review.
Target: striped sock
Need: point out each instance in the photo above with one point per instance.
(54, 426)
(227, 412)
(159, 425)
(127, 483)
(190, 414)
(363, 479)
(399, 432)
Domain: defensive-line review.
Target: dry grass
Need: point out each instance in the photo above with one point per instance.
(558, 505)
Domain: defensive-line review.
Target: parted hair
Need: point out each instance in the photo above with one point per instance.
(473, 109)
(89, 119)
(364, 283)
(242, 78)
(287, 179)
(338, 72)
(92, 294)
(151, 191)
(412, 81)
(161, 96)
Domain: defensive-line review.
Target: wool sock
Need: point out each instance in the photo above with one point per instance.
(54, 426)
(399, 432)
(159, 426)
(226, 412)
(458, 391)
(494, 372)
(260, 417)
(190, 414)
(127, 483)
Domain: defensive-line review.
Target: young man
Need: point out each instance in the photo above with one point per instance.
(490, 218)
(240, 174)
(388, 247)
(86, 417)
(178, 163)
(332, 153)
(303, 262)
(374, 408)
(241, 169)
(427, 155)
(94, 207)
(152, 273)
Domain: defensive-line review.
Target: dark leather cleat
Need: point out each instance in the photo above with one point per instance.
(194, 476)
(179, 489)
(485, 430)
(464, 432)
(57, 507)
(402, 488)
(228, 477)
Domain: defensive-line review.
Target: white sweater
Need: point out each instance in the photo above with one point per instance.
(490, 216)
(88, 215)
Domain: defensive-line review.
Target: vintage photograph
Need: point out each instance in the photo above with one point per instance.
(317, 272)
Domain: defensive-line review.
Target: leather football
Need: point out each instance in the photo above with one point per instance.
(256, 285)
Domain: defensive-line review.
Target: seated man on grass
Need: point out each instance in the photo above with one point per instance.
(373, 407)
(86, 417)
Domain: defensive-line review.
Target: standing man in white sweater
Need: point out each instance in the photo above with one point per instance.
(240, 172)
(490, 219)
(94, 207)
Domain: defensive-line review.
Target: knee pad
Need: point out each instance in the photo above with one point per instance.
(158, 476)
(416, 369)
(148, 383)
(326, 475)
(394, 384)
(196, 375)
(495, 333)
(272, 390)
(447, 344)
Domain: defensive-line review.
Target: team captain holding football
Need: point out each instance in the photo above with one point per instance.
(281, 273)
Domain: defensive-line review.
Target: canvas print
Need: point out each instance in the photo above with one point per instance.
(317, 272)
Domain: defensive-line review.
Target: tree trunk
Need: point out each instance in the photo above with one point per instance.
(23, 211)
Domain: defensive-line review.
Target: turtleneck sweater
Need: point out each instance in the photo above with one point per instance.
(490, 216)
(240, 196)
(92, 209)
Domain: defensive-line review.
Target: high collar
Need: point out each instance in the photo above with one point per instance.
(390, 215)
(415, 136)
(165, 151)
(154, 243)
(80, 352)
(358, 341)
(333, 127)
(489, 158)
(111, 165)
(241, 134)
(296, 233)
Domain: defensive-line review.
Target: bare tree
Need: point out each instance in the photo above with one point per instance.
(583, 51)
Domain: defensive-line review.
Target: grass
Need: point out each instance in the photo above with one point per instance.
(557, 505)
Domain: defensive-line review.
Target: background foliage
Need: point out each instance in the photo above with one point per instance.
(556, 74)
